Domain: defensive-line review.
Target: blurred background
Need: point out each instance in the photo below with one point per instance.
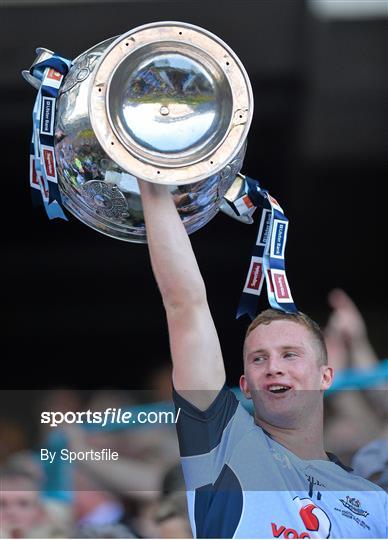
(81, 310)
(75, 301)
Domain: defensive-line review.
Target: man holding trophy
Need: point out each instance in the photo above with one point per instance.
(267, 475)
(166, 108)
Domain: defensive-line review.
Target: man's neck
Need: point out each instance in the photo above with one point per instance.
(306, 441)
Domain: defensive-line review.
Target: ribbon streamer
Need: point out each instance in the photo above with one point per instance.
(268, 254)
(43, 168)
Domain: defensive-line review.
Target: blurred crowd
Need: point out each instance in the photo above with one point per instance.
(142, 494)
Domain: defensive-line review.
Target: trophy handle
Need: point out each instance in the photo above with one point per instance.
(41, 55)
(235, 192)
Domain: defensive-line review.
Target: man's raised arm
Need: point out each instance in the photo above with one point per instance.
(195, 348)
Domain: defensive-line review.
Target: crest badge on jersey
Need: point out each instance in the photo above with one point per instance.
(354, 506)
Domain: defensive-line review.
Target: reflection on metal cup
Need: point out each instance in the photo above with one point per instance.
(166, 102)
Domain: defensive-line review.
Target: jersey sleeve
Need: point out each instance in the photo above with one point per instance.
(200, 432)
(207, 440)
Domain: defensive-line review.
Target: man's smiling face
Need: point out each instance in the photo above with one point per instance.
(282, 372)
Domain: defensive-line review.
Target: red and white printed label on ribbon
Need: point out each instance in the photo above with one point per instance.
(255, 277)
(281, 287)
(48, 162)
(53, 78)
(34, 181)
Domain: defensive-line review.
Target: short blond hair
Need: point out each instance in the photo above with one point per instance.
(271, 315)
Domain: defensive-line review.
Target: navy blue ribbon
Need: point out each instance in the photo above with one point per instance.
(43, 169)
(268, 256)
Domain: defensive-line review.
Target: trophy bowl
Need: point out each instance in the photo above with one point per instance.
(166, 102)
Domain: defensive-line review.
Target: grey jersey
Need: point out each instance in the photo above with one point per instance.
(243, 484)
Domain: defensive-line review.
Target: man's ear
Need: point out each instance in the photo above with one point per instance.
(244, 387)
(327, 377)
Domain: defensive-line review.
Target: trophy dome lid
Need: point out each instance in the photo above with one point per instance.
(170, 103)
(170, 107)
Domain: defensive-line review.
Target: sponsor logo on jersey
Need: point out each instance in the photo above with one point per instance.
(316, 522)
(287, 532)
(354, 506)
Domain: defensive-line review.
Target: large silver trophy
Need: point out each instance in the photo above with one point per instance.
(166, 102)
